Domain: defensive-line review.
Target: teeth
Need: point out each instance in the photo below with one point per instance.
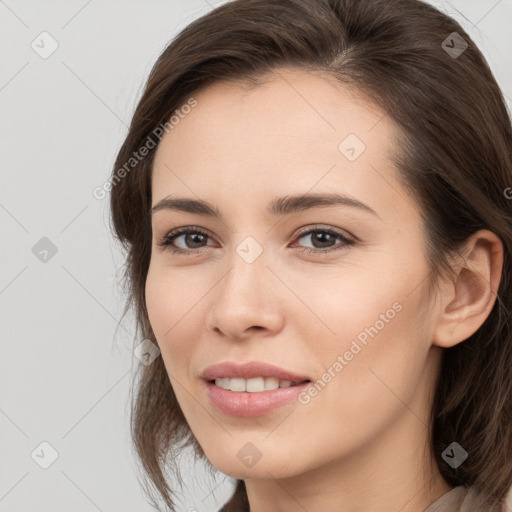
(255, 385)
(237, 384)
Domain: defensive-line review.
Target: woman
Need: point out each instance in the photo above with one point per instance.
(360, 146)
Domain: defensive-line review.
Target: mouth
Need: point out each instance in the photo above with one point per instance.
(252, 389)
(249, 376)
(255, 384)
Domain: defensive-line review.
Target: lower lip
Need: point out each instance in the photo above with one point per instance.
(249, 405)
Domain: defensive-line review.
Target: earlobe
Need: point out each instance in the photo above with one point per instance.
(468, 299)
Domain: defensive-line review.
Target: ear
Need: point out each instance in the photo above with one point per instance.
(467, 300)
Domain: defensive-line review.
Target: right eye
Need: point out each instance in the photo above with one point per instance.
(191, 236)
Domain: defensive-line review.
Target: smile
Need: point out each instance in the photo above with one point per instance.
(254, 385)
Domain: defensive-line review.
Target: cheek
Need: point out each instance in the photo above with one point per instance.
(381, 300)
(383, 357)
(170, 305)
(375, 332)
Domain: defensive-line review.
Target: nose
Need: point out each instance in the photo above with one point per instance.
(245, 302)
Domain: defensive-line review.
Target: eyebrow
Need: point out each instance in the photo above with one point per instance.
(277, 207)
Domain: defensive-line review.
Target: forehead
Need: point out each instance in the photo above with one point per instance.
(294, 133)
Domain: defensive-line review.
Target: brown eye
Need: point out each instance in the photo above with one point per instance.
(193, 239)
(324, 240)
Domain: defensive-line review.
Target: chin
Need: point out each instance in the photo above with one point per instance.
(242, 466)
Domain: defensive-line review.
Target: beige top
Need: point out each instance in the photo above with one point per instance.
(460, 499)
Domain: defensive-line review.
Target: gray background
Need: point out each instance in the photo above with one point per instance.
(66, 366)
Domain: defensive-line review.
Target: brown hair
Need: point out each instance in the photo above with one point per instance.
(455, 158)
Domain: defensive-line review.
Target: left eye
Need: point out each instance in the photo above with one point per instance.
(324, 237)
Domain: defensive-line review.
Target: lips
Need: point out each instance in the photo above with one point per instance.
(251, 370)
(251, 389)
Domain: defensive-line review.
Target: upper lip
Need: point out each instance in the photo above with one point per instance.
(250, 370)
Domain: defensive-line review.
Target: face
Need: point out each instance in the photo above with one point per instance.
(331, 292)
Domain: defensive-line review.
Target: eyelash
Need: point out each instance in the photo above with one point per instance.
(167, 241)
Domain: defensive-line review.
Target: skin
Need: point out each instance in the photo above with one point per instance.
(360, 443)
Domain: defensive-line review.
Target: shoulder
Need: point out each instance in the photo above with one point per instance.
(464, 499)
